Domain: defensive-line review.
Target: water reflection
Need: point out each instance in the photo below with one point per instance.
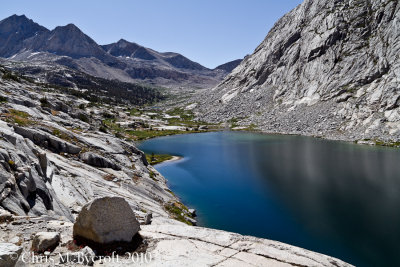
(340, 192)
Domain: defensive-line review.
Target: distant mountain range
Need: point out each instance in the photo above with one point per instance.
(21, 39)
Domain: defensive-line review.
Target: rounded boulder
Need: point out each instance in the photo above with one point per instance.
(106, 220)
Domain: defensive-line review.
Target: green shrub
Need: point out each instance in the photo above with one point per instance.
(176, 210)
(108, 115)
(18, 117)
(83, 117)
(10, 76)
(153, 176)
(44, 103)
(119, 135)
(154, 159)
(103, 129)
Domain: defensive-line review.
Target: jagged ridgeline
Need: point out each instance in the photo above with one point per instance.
(23, 40)
(94, 89)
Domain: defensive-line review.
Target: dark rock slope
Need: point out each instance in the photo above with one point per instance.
(14, 30)
(327, 68)
(66, 40)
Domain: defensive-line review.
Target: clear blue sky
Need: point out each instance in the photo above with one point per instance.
(210, 32)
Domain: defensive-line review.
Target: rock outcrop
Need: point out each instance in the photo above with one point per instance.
(106, 220)
(327, 68)
(9, 254)
(45, 241)
(25, 187)
(176, 244)
(170, 245)
(98, 161)
(43, 170)
(5, 216)
(47, 140)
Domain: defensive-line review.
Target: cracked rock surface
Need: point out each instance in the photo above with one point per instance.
(176, 245)
(197, 246)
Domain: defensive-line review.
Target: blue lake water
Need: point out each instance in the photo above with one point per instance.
(336, 198)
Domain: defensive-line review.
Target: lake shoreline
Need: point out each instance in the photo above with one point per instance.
(173, 159)
(206, 198)
(361, 142)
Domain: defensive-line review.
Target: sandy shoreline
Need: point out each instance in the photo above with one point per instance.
(174, 158)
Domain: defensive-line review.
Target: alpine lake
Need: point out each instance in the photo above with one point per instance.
(336, 198)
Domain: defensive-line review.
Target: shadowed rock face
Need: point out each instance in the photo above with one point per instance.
(98, 161)
(326, 68)
(121, 48)
(44, 241)
(15, 29)
(67, 40)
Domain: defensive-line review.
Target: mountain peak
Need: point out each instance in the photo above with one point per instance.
(15, 29)
(66, 40)
(122, 41)
(69, 27)
(121, 48)
(16, 17)
(17, 20)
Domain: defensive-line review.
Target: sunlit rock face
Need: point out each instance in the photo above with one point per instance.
(327, 68)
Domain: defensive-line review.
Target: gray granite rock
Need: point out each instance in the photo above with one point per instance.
(48, 141)
(192, 212)
(5, 216)
(96, 160)
(327, 68)
(106, 220)
(44, 241)
(9, 254)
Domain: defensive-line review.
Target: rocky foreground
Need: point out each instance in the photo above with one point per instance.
(59, 153)
(168, 244)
